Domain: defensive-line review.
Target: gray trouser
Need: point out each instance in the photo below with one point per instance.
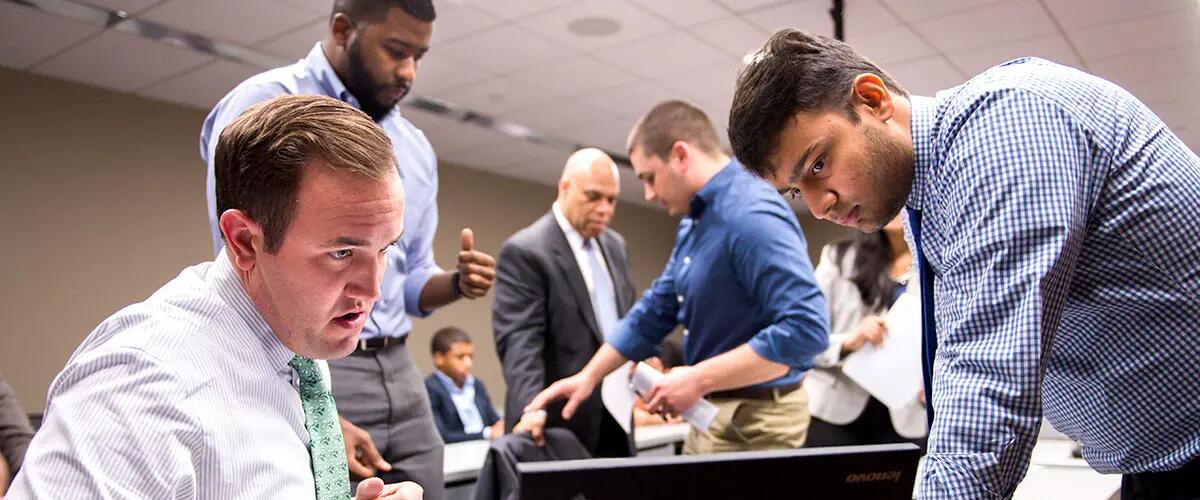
(383, 393)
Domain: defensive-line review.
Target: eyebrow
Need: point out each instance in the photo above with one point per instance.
(346, 241)
(799, 166)
(416, 49)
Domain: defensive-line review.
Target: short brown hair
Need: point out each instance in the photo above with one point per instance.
(793, 72)
(446, 337)
(261, 155)
(671, 121)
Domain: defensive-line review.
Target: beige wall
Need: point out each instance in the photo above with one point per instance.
(103, 202)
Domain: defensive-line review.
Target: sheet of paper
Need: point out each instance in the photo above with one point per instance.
(618, 396)
(892, 372)
(700, 415)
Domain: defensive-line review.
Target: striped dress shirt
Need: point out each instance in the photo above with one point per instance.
(187, 395)
(1061, 220)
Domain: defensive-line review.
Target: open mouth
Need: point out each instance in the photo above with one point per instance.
(351, 319)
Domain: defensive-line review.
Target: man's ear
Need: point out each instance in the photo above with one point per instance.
(681, 152)
(341, 28)
(872, 97)
(243, 239)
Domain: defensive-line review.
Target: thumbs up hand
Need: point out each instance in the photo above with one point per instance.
(476, 270)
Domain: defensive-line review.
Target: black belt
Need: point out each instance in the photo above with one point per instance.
(378, 343)
(759, 393)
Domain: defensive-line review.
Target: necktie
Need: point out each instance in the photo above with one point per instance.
(325, 445)
(604, 300)
(928, 325)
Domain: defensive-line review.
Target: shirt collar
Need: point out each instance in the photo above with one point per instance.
(573, 237)
(707, 194)
(449, 382)
(224, 280)
(924, 117)
(327, 77)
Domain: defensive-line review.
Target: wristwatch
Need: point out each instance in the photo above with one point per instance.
(454, 283)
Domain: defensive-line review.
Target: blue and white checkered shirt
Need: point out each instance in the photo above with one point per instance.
(1061, 219)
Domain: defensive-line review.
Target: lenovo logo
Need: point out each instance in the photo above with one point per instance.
(871, 477)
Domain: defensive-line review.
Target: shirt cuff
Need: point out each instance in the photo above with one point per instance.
(413, 284)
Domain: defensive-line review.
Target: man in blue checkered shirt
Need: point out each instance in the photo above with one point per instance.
(1056, 222)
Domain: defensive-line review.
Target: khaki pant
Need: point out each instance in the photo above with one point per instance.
(753, 424)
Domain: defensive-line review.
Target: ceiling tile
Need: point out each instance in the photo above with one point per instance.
(684, 13)
(235, 21)
(733, 35)
(121, 62)
(496, 95)
(28, 35)
(1176, 113)
(1132, 70)
(447, 135)
(916, 10)
(1073, 14)
(629, 100)
(1155, 32)
(511, 151)
(749, 5)
(926, 76)
(515, 9)
(438, 73)
(455, 20)
(203, 86)
(662, 54)
(1161, 90)
(862, 17)
(551, 117)
(607, 134)
(899, 43)
(296, 43)
(634, 23)
(709, 82)
(1054, 48)
(503, 49)
(574, 76)
(987, 26)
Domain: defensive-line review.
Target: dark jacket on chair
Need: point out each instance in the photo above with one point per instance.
(445, 414)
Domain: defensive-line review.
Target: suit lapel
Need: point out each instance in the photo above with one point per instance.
(565, 259)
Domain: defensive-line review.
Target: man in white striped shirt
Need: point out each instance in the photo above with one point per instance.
(191, 393)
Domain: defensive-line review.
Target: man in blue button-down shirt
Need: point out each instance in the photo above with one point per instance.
(1058, 222)
(369, 59)
(738, 280)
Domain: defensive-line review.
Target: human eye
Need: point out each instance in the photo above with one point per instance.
(342, 254)
(818, 166)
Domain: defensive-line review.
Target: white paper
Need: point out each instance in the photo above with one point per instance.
(892, 372)
(700, 415)
(618, 397)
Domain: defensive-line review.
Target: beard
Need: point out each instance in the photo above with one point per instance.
(364, 88)
(890, 176)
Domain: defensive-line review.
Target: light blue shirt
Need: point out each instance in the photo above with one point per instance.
(187, 395)
(411, 263)
(464, 402)
(1061, 220)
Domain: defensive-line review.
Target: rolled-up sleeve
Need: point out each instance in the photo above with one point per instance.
(770, 258)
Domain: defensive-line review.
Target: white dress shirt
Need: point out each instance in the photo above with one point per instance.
(187, 395)
(576, 241)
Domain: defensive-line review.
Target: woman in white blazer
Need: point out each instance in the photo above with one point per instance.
(861, 278)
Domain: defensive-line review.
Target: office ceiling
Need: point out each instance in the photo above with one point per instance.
(519, 61)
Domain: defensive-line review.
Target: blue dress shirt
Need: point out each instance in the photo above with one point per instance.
(1061, 221)
(411, 263)
(739, 273)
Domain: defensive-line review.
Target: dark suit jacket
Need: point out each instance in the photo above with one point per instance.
(544, 326)
(445, 414)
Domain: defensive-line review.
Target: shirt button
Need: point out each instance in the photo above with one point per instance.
(679, 298)
(685, 332)
(687, 260)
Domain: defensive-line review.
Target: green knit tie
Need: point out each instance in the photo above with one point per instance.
(325, 444)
